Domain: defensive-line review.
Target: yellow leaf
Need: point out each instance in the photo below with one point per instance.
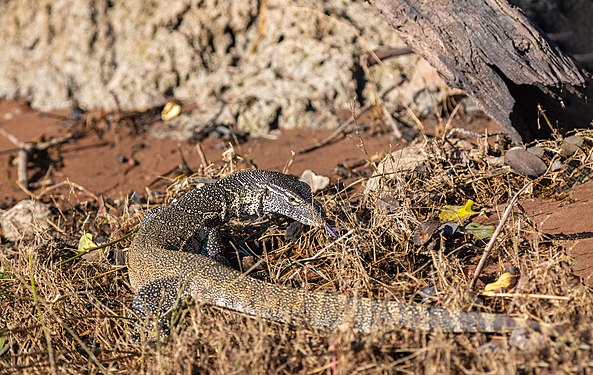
(452, 213)
(86, 242)
(170, 111)
(506, 281)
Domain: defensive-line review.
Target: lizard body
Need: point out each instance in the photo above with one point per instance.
(164, 267)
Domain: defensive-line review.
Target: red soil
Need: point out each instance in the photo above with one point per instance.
(92, 162)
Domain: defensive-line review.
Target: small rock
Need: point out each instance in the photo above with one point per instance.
(24, 220)
(93, 256)
(524, 162)
(122, 159)
(570, 145)
(402, 160)
(556, 165)
(388, 203)
(316, 182)
(525, 341)
(428, 293)
(495, 161)
(537, 151)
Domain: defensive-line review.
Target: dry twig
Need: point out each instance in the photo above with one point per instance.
(27, 149)
(494, 237)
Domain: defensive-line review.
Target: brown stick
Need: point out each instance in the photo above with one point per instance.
(14, 140)
(503, 220)
(21, 167)
(202, 155)
(385, 53)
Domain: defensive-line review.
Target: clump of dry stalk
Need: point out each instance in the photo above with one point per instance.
(72, 316)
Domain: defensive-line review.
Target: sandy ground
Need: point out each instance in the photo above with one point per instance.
(95, 162)
(116, 163)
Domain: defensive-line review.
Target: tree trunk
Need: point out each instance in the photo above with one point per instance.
(490, 50)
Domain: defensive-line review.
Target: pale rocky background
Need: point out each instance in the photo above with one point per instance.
(283, 64)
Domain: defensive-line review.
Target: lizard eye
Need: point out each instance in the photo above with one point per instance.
(292, 199)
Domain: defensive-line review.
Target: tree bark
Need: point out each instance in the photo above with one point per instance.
(490, 50)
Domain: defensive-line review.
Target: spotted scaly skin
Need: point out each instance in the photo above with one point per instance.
(165, 266)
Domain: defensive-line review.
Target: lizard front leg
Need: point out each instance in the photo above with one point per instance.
(214, 247)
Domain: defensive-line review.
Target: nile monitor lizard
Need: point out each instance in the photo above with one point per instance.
(165, 267)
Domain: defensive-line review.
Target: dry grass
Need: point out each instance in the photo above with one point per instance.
(72, 316)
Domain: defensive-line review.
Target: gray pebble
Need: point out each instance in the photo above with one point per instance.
(24, 220)
(525, 163)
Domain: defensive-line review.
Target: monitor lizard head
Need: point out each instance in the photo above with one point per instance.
(288, 196)
(260, 192)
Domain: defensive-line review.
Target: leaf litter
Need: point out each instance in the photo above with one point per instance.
(61, 312)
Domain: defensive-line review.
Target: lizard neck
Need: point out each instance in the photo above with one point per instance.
(243, 196)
